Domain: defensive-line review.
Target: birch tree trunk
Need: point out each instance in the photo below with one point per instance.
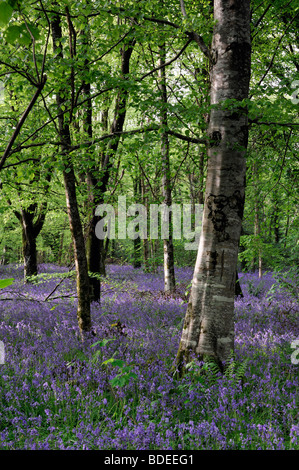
(169, 276)
(208, 329)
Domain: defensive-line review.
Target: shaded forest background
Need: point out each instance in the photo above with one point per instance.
(106, 69)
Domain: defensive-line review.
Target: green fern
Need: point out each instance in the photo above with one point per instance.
(235, 371)
(208, 373)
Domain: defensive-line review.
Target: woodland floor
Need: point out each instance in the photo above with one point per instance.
(117, 390)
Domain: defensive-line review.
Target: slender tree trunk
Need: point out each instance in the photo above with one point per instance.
(154, 253)
(60, 251)
(137, 241)
(96, 250)
(4, 256)
(83, 309)
(94, 246)
(145, 241)
(257, 233)
(169, 276)
(257, 222)
(238, 289)
(286, 231)
(208, 329)
(137, 253)
(146, 254)
(276, 219)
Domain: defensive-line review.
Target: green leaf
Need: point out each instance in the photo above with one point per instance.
(20, 34)
(114, 362)
(12, 33)
(5, 13)
(133, 375)
(14, 3)
(5, 282)
(119, 381)
(24, 39)
(102, 343)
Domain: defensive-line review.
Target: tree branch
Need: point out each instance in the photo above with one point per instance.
(146, 177)
(17, 70)
(284, 124)
(166, 63)
(193, 35)
(282, 166)
(275, 51)
(186, 138)
(19, 163)
(22, 120)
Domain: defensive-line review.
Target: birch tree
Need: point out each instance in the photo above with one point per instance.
(208, 329)
(169, 275)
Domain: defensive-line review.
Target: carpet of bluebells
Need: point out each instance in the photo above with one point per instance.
(117, 390)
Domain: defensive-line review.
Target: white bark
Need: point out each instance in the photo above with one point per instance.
(209, 326)
(169, 275)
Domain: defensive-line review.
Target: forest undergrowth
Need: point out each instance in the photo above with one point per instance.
(117, 390)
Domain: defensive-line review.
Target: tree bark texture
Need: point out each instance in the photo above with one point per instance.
(30, 230)
(99, 185)
(208, 330)
(83, 309)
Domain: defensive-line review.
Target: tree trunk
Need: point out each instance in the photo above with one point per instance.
(96, 249)
(29, 247)
(94, 246)
(145, 241)
(286, 231)
(137, 241)
(29, 255)
(196, 182)
(31, 228)
(30, 231)
(257, 233)
(208, 329)
(83, 309)
(4, 259)
(238, 289)
(276, 219)
(60, 251)
(257, 222)
(169, 276)
(154, 254)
